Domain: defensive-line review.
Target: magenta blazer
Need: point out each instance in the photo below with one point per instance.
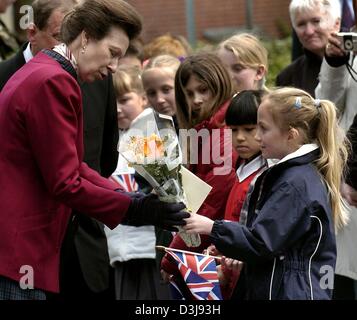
(42, 176)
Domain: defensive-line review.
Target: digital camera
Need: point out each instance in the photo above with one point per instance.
(349, 40)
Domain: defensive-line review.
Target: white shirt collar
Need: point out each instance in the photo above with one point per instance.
(245, 170)
(28, 53)
(304, 149)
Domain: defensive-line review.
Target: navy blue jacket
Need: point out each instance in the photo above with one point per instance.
(288, 244)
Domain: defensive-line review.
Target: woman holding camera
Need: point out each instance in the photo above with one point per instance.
(313, 21)
(338, 84)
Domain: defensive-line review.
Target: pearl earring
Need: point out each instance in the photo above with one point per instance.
(83, 49)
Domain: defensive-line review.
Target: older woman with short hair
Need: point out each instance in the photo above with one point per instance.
(313, 21)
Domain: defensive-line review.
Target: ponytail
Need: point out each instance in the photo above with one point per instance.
(317, 123)
(331, 163)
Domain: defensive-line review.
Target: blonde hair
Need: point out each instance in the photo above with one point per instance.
(249, 50)
(166, 44)
(163, 61)
(126, 79)
(317, 123)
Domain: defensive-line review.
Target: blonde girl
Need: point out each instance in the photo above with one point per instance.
(288, 244)
(246, 60)
(130, 94)
(131, 249)
(159, 81)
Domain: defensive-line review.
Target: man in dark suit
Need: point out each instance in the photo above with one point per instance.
(85, 269)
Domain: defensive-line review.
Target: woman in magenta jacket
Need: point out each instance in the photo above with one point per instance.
(42, 174)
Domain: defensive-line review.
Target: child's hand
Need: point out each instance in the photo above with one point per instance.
(198, 224)
(228, 274)
(223, 280)
(349, 194)
(227, 270)
(212, 251)
(234, 266)
(165, 276)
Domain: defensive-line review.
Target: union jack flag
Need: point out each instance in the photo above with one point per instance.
(199, 273)
(176, 293)
(126, 181)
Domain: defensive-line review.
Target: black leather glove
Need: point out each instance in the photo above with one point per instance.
(149, 210)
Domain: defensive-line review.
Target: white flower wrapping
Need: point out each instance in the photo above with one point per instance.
(152, 148)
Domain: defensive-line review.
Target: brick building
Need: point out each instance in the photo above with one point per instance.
(210, 16)
(161, 16)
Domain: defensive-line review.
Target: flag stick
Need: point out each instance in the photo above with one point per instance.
(189, 252)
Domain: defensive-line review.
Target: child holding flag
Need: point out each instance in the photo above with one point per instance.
(288, 244)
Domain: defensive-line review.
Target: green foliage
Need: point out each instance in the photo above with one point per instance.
(283, 27)
(279, 57)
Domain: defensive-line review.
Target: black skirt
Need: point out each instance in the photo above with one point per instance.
(139, 279)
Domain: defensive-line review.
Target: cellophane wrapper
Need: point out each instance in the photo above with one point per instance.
(152, 148)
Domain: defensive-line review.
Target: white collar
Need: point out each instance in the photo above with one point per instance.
(28, 53)
(304, 149)
(245, 170)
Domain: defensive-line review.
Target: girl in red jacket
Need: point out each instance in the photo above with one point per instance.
(203, 91)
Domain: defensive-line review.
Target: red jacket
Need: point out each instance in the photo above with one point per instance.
(236, 198)
(215, 203)
(245, 174)
(42, 176)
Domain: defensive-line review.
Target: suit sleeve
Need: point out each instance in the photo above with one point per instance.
(109, 155)
(53, 127)
(86, 172)
(282, 220)
(333, 82)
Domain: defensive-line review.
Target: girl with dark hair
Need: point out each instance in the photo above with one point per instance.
(203, 90)
(241, 117)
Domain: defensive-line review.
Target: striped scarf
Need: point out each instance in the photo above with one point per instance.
(64, 51)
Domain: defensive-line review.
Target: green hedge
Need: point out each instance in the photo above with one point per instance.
(279, 57)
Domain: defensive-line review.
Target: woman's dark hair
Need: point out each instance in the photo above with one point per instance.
(97, 17)
(243, 108)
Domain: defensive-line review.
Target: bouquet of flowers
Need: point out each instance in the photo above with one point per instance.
(152, 148)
